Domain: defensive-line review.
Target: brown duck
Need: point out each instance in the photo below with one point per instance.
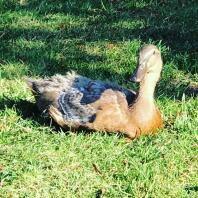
(73, 100)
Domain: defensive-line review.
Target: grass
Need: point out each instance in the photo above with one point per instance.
(99, 39)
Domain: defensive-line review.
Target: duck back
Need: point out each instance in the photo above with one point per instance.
(73, 95)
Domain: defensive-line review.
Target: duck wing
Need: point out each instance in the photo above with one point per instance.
(73, 95)
(75, 100)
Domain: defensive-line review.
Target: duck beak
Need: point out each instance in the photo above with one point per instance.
(138, 74)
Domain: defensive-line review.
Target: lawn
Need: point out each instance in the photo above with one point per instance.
(98, 39)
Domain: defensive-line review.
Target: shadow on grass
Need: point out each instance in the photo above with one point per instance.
(48, 54)
(24, 108)
(62, 49)
(29, 110)
(169, 21)
(189, 189)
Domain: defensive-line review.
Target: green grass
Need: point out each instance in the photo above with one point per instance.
(99, 39)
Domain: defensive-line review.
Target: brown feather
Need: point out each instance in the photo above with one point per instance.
(113, 113)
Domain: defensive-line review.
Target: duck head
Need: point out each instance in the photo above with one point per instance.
(149, 65)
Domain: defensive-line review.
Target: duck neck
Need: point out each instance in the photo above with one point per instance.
(146, 91)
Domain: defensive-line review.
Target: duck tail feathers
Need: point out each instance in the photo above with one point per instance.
(32, 84)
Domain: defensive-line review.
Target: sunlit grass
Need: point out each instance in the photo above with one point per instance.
(99, 40)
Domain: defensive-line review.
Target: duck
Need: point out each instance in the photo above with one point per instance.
(74, 101)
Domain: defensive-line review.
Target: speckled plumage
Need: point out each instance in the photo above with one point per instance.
(75, 94)
(73, 100)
